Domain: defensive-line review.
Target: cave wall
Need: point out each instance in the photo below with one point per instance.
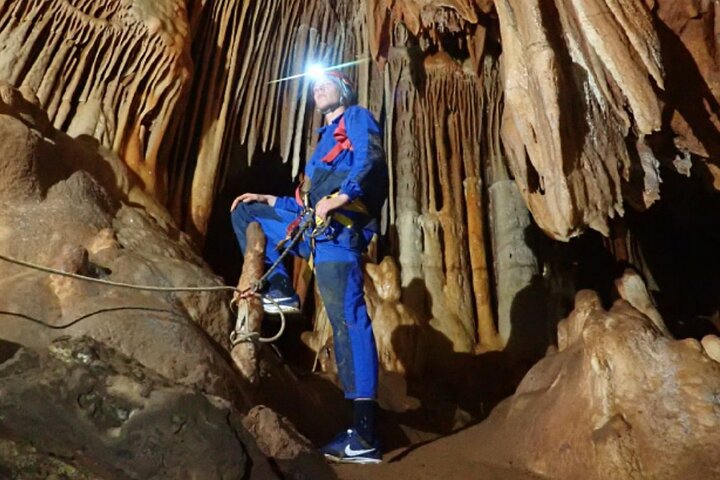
(115, 71)
(599, 95)
(568, 108)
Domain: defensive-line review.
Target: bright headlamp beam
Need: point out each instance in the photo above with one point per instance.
(316, 70)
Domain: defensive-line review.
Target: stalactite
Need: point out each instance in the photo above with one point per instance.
(117, 73)
(235, 112)
(568, 161)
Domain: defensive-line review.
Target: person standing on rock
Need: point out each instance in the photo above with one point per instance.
(346, 183)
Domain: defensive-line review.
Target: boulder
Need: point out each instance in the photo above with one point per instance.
(618, 399)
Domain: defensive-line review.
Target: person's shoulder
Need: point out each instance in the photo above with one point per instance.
(358, 112)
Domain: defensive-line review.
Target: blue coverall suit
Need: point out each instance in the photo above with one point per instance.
(360, 172)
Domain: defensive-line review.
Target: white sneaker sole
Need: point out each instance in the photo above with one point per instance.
(277, 306)
(355, 460)
(272, 308)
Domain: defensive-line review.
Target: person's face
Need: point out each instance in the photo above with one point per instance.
(325, 93)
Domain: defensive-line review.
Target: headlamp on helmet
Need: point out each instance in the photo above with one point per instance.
(340, 80)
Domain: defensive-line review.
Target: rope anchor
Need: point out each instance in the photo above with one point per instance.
(241, 332)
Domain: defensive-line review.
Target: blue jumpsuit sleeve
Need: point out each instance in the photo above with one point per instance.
(359, 124)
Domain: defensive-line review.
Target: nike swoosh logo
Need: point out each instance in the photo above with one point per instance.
(354, 453)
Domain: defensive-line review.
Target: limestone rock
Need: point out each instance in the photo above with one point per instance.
(618, 400)
(143, 356)
(569, 162)
(105, 414)
(114, 71)
(277, 437)
(586, 84)
(396, 327)
(711, 344)
(68, 207)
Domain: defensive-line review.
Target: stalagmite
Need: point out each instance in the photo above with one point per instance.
(632, 288)
(515, 265)
(395, 326)
(617, 400)
(250, 309)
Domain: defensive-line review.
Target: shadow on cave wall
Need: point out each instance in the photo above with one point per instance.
(687, 92)
(678, 239)
(267, 174)
(565, 268)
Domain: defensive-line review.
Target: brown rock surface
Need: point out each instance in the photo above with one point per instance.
(618, 400)
(116, 71)
(54, 213)
(103, 415)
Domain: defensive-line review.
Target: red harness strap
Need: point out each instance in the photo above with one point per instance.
(343, 142)
(298, 196)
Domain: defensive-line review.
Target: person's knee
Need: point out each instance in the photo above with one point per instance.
(242, 216)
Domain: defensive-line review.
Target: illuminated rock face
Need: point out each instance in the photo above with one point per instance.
(599, 94)
(116, 71)
(570, 79)
(67, 205)
(618, 399)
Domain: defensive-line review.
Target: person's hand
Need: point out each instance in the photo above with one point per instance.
(253, 197)
(328, 204)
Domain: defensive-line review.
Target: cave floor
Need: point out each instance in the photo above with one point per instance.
(425, 425)
(446, 457)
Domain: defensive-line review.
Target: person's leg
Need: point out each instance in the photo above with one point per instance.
(340, 280)
(274, 223)
(341, 287)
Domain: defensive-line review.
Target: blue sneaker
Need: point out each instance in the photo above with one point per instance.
(281, 302)
(350, 447)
